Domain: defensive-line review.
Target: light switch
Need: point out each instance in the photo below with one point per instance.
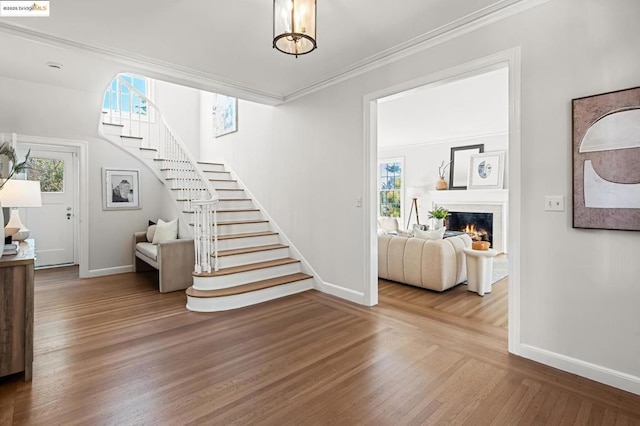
(358, 201)
(554, 203)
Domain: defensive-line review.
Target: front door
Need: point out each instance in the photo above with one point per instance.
(53, 226)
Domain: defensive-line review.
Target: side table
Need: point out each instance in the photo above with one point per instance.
(479, 269)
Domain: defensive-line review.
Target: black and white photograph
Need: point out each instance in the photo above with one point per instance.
(120, 189)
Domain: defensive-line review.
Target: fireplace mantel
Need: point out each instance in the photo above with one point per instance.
(479, 200)
(476, 196)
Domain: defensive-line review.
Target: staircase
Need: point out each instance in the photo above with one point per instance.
(241, 259)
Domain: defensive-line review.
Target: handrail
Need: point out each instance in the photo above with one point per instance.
(190, 176)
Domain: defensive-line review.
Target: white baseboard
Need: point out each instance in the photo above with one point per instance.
(108, 271)
(586, 369)
(341, 292)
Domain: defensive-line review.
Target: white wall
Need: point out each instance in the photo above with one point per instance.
(579, 288)
(180, 106)
(421, 167)
(37, 109)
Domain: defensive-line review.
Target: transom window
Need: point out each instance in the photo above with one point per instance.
(390, 187)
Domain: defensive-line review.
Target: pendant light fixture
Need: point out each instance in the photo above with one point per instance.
(294, 26)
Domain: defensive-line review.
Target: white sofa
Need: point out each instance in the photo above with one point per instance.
(433, 264)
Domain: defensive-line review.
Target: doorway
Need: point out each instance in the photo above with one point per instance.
(56, 226)
(509, 59)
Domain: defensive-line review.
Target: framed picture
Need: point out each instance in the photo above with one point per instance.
(606, 161)
(486, 170)
(120, 189)
(225, 115)
(459, 168)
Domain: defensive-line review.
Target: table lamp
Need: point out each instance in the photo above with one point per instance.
(20, 193)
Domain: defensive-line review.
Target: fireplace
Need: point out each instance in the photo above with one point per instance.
(486, 201)
(479, 226)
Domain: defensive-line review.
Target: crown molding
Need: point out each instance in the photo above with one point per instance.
(481, 18)
(153, 67)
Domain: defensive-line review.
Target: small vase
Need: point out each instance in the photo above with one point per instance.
(441, 184)
(437, 223)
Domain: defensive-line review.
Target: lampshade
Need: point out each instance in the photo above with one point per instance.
(415, 191)
(294, 26)
(21, 193)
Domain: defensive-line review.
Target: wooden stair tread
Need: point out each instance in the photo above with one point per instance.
(226, 211)
(247, 235)
(246, 288)
(198, 179)
(254, 249)
(247, 268)
(239, 222)
(221, 199)
(113, 124)
(146, 149)
(131, 137)
(210, 164)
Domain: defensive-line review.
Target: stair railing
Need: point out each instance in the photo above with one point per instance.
(195, 191)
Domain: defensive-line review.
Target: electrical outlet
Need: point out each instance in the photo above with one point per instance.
(554, 203)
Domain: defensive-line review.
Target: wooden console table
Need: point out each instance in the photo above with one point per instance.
(16, 311)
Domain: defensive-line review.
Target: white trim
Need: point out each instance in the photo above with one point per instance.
(107, 271)
(511, 59)
(586, 369)
(81, 199)
(296, 254)
(172, 72)
(447, 141)
(342, 292)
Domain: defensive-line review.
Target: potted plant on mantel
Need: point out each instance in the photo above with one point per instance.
(438, 215)
(441, 184)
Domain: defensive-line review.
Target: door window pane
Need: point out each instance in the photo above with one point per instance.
(49, 171)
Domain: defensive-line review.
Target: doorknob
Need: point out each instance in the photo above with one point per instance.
(68, 216)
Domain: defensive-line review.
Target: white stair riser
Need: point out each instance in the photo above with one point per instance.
(232, 195)
(231, 216)
(131, 143)
(111, 130)
(232, 280)
(248, 258)
(148, 154)
(216, 304)
(236, 243)
(235, 204)
(218, 175)
(224, 184)
(243, 228)
(212, 167)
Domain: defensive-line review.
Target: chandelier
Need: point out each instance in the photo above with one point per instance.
(294, 26)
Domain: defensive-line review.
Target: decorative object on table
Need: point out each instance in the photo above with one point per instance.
(480, 245)
(486, 170)
(120, 189)
(225, 115)
(20, 194)
(294, 26)
(414, 192)
(460, 158)
(438, 215)
(606, 161)
(441, 183)
(9, 159)
(10, 249)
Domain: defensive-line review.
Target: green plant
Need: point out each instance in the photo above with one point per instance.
(442, 169)
(439, 213)
(15, 166)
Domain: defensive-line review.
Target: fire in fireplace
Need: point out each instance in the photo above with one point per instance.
(479, 226)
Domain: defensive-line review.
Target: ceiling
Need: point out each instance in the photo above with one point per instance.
(470, 107)
(225, 46)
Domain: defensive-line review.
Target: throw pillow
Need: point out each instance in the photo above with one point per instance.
(390, 224)
(151, 231)
(436, 234)
(165, 231)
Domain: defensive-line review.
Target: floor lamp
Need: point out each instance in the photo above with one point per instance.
(20, 193)
(414, 193)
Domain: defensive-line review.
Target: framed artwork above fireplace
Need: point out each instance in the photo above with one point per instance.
(459, 169)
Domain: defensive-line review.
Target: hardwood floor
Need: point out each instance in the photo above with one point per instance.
(114, 351)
